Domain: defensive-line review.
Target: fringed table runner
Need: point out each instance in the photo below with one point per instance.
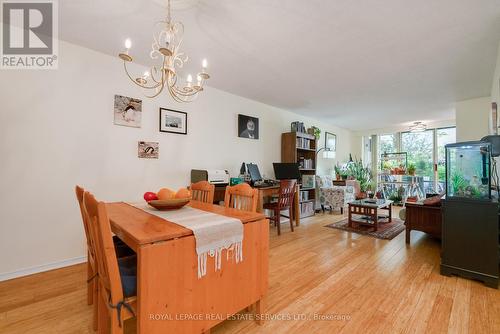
(212, 233)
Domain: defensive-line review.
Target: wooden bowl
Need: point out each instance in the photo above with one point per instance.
(169, 204)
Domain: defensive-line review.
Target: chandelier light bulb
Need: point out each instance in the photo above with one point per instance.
(198, 78)
(204, 64)
(189, 79)
(128, 44)
(146, 74)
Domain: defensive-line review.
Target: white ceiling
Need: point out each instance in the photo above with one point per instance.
(359, 64)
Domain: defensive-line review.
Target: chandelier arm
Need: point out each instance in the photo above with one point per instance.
(162, 86)
(135, 82)
(153, 73)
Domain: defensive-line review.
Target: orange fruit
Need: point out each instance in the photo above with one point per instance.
(183, 193)
(165, 194)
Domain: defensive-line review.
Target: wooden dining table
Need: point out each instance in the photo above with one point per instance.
(170, 296)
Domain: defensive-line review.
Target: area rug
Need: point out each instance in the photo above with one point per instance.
(385, 231)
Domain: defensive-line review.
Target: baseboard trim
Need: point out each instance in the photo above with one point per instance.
(42, 268)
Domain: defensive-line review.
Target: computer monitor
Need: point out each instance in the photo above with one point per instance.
(286, 171)
(254, 172)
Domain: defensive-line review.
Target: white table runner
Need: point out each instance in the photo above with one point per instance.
(212, 232)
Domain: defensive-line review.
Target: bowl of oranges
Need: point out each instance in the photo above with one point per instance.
(167, 199)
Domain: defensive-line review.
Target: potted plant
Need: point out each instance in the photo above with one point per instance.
(412, 169)
(370, 189)
(338, 175)
(315, 131)
(360, 173)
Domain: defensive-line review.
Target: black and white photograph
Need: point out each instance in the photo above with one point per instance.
(148, 150)
(173, 121)
(127, 111)
(248, 127)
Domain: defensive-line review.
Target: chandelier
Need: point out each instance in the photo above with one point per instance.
(418, 127)
(165, 53)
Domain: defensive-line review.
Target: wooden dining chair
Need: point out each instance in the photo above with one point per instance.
(117, 283)
(203, 191)
(285, 202)
(241, 197)
(91, 256)
(121, 249)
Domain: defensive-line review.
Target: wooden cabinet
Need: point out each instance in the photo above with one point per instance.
(470, 240)
(301, 148)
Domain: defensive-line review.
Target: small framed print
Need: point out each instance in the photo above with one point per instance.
(148, 150)
(173, 121)
(248, 127)
(330, 141)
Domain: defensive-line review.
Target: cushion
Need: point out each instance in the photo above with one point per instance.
(324, 181)
(433, 201)
(128, 273)
(121, 248)
(402, 214)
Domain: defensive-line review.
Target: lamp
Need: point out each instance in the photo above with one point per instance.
(328, 153)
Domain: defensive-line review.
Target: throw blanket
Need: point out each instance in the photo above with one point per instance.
(212, 232)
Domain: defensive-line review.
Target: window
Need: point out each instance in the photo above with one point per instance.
(420, 148)
(425, 150)
(387, 143)
(443, 136)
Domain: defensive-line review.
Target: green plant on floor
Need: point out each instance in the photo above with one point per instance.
(397, 195)
(362, 174)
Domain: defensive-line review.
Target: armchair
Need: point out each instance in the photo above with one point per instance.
(333, 196)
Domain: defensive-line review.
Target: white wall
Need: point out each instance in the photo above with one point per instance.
(57, 131)
(495, 87)
(472, 118)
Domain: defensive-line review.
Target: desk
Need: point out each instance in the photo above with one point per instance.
(274, 190)
(167, 274)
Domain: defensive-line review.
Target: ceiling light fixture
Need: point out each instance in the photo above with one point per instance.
(165, 50)
(418, 127)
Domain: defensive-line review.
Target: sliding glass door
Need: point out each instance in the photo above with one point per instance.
(420, 148)
(425, 152)
(444, 136)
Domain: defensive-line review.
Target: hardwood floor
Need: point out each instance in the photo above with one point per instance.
(357, 283)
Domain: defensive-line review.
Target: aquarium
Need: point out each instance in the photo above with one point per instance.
(468, 170)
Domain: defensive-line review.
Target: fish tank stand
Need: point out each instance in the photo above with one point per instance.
(470, 230)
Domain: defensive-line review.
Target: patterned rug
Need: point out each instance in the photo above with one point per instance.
(385, 231)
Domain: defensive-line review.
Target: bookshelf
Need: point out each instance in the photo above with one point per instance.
(301, 148)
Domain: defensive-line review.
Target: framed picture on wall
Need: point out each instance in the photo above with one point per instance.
(248, 127)
(173, 121)
(127, 111)
(148, 150)
(330, 142)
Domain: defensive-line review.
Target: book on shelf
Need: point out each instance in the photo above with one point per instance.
(306, 163)
(304, 196)
(298, 127)
(307, 208)
(303, 143)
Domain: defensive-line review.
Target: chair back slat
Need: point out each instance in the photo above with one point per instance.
(241, 197)
(287, 190)
(88, 235)
(203, 191)
(107, 264)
